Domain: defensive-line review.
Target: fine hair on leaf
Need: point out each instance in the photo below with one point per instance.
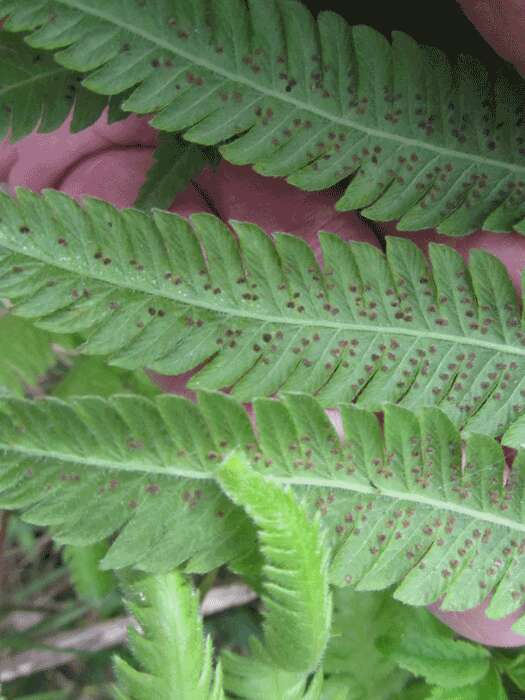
(297, 600)
(173, 656)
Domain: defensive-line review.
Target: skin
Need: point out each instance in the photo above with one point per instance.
(501, 23)
(111, 162)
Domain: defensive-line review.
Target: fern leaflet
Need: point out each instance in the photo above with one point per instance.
(91, 584)
(406, 507)
(176, 163)
(175, 658)
(352, 660)
(90, 376)
(314, 102)
(489, 688)
(35, 92)
(26, 353)
(428, 650)
(157, 292)
(256, 677)
(297, 601)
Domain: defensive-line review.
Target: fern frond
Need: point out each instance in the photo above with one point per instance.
(257, 677)
(352, 659)
(435, 655)
(103, 474)
(418, 691)
(157, 292)
(353, 668)
(176, 163)
(91, 376)
(174, 658)
(431, 145)
(26, 353)
(91, 584)
(336, 689)
(407, 506)
(297, 600)
(444, 662)
(36, 92)
(514, 437)
(489, 688)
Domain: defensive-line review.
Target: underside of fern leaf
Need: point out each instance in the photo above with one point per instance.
(408, 505)
(175, 659)
(261, 314)
(315, 102)
(37, 93)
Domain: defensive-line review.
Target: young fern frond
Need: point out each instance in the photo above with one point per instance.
(297, 600)
(406, 506)
(161, 293)
(36, 92)
(175, 660)
(311, 101)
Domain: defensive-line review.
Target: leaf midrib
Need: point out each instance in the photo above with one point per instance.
(277, 320)
(297, 481)
(346, 122)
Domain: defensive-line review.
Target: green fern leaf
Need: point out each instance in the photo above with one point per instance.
(431, 145)
(514, 668)
(94, 490)
(298, 604)
(418, 691)
(405, 506)
(26, 354)
(91, 376)
(175, 659)
(448, 663)
(157, 292)
(257, 677)
(490, 688)
(36, 92)
(91, 584)
(352, 659)
(176, 163)
(337, 689)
